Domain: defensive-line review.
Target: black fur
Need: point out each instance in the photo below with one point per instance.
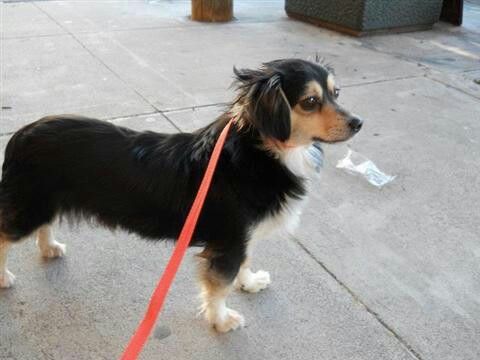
(269, 111)
(143, 182)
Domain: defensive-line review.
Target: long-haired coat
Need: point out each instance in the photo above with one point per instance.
(145, 182)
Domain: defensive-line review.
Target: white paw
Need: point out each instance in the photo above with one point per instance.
(231, 320)
(7, 279)
(53, 250)
(254, 282)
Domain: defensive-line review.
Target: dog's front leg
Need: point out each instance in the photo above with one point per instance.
(217, 272)
(250, 281)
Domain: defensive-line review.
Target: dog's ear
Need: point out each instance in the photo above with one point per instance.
(268, 108)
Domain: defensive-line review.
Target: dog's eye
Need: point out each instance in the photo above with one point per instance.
(336, 93)
(311, 103)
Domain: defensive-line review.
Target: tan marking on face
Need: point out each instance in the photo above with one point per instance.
(326, 124)
(313, 88)
(331, 83)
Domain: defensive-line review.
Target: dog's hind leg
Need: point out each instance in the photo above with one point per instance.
(6, 277)
(49, 247)
(217, 272)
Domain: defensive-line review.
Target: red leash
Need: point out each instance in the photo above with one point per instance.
(158, 298)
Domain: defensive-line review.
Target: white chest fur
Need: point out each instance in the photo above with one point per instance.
(299, 162)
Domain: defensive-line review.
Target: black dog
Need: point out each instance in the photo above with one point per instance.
(145, 182)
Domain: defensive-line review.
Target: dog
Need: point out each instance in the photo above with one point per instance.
(145, 182)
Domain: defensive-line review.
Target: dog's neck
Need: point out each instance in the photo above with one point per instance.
(297, 158)
(299, 161)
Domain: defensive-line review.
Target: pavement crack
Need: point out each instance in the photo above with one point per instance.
(155, 108)
(21, 37)
(357, 299)
(144, 28)
(7, 134)
(195, 107)
(156, 112)
(394, 55)
(121, 117)
(470, 70)
(407, 77)
(117, 118)
(171, 122)
(449, 86)
(96, 57)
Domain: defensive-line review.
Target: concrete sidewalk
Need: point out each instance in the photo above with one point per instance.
(371, 274)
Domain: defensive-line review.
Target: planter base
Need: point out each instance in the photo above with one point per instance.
(354, 32)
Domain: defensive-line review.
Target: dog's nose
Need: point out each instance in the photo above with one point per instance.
(355, 124)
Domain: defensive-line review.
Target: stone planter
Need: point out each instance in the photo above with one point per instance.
(360, 17)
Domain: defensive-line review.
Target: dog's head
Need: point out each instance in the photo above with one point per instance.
(294, 102)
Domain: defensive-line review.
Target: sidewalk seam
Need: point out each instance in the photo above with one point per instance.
(409, 60)
(111, 119)
(398, 78)
(356, 298)
(194, 107)
(171, 122)
(146, 28)
(158, 112)
(7, 134)
(163, 113)
(449, 86)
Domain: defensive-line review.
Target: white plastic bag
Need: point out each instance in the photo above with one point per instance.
(315, 156)
(354, 162)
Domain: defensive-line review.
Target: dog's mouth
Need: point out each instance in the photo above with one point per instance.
(318, 139)
(336, 136)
